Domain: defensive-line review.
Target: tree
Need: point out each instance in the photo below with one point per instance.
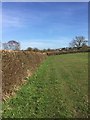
(44, 50)
(48, 49)
(78, 42)
(35, 49)
(11, 45)
(5, 46)
(29, 49)
(64, 48)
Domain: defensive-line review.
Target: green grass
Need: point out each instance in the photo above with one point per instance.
(58, 89)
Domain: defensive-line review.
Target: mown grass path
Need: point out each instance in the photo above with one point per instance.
(58, 89)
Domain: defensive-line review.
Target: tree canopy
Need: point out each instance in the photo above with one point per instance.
(11, 45)
(78, 41)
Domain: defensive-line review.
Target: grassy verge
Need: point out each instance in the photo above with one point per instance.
(58, 89)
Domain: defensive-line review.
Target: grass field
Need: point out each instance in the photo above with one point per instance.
(58, 89)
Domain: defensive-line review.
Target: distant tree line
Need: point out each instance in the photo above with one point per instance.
(78, 43)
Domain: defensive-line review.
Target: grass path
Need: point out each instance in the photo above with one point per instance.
(58, 89)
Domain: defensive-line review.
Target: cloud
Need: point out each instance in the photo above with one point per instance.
(42, 22)
(11, 21)
(21, 18)
(42, 43)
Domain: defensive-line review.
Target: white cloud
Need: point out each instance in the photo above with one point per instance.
(41, 44)
(18, 18)
(11, 21)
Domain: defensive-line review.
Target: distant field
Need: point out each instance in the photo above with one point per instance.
(58, 89)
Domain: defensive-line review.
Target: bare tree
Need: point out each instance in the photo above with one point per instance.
(78, 42)
(5, 46)
(11, 45)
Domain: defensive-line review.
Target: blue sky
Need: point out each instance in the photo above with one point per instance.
(44, 24)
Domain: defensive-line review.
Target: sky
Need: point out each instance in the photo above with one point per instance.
(44, 24)
(45, 0)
